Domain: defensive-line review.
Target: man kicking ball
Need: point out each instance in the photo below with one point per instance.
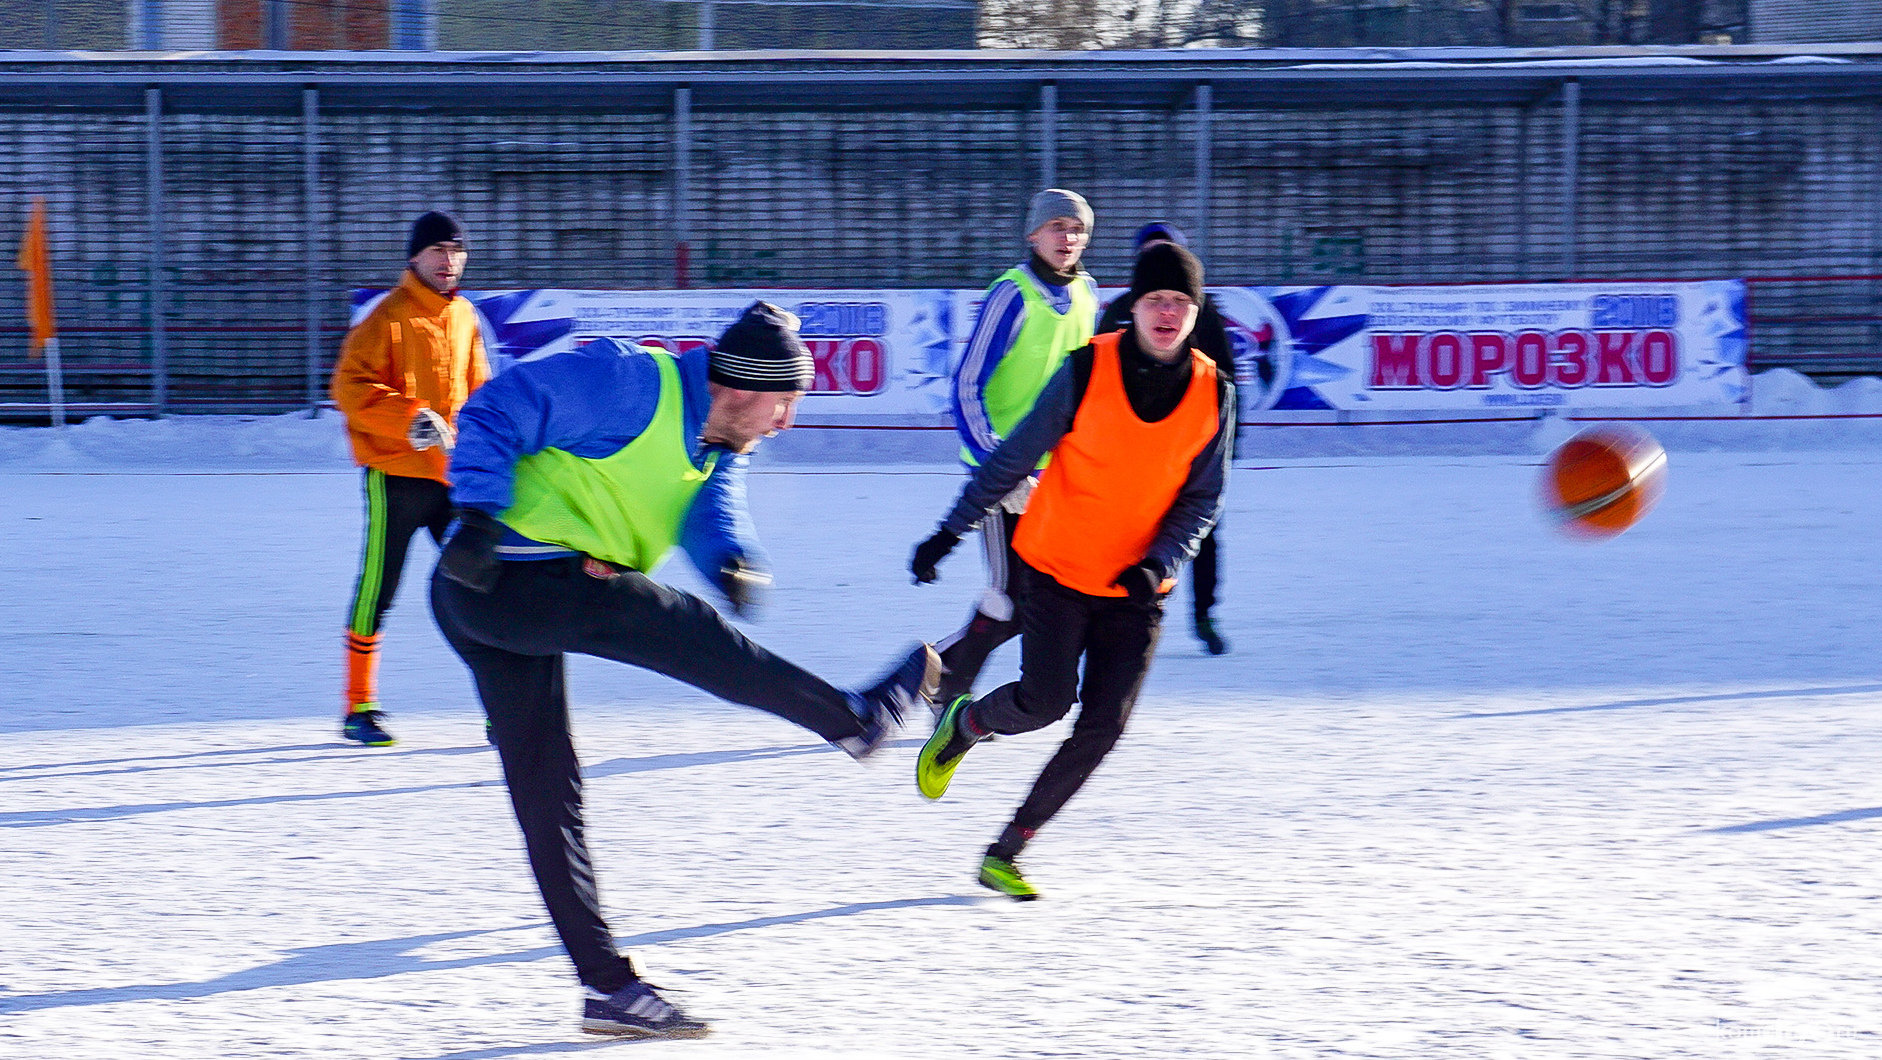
(1138, 424)
(574, 475)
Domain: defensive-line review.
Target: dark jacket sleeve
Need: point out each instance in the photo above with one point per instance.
(1212, 338)
(1016, 457)
(1117, 315)
(1199, 503)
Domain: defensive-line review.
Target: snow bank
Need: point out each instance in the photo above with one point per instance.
(1788, 412)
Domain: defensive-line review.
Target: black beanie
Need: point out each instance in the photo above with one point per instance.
(1167, 267)
(431, 227)
(761, 352)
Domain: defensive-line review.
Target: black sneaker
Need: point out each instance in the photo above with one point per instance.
(1212, 641)
(882, 706)
(363, 725)
(635, 1011)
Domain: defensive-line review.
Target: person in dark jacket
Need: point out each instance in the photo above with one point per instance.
(1212, 338)
(573, 476)
(1138, 426)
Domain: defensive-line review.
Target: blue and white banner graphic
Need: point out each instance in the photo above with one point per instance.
(1581, 345)
(877, 353)
(887, 355)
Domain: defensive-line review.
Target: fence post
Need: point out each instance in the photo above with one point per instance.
(707, 28)
(310, 239)
(1571, 175)
(682, 182)
(154, 282)
(1205, 162)
(1522, 190)
(1049, 135)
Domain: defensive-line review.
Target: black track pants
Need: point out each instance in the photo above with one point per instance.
(1202, 573)
(1116, 639)
(513, 640)
(397, 506)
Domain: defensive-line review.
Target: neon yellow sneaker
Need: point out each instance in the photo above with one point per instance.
(1000, 875)
(934, 767)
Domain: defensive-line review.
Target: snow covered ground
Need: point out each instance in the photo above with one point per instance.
(1464, 788)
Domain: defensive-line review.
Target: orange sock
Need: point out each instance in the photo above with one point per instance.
(362, 671)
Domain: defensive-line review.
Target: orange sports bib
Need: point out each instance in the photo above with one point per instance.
(1113, 477)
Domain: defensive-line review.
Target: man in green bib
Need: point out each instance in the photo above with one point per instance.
(1034, 314)
(573, 477)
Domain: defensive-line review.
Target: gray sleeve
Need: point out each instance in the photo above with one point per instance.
(1018, 456)
(1199, 504)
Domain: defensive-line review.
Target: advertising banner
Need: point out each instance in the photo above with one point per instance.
(1567, 346)
(877, 353)
(886, 356)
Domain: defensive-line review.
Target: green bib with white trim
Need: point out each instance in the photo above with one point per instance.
(1037, 351)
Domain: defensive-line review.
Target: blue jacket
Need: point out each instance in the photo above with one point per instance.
(591, 402)
(1002, 315)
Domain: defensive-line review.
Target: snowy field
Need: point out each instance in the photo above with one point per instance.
(1463, 789)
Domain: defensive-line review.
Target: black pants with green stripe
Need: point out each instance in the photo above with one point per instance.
(397, 506)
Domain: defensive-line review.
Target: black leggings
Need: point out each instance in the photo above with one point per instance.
(1116, 638)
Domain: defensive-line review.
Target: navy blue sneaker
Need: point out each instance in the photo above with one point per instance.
(882, 706)
(362, 724)
(635, 1011)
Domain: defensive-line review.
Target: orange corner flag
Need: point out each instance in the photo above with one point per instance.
(36, 262)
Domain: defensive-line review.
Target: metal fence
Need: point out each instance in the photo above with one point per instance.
(210, 215)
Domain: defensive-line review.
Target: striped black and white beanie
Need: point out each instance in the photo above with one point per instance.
(761, 351)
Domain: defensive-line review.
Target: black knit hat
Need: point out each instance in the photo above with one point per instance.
(1167, 267)
(433, 226)
(761, 352)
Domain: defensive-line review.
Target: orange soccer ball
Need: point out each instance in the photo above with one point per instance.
(1603, 480)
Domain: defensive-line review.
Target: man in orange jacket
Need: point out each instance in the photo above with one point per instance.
(1138, 424)
(404, 372)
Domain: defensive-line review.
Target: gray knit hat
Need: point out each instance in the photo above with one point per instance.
(1054, 203)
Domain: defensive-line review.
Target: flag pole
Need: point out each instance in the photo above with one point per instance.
(55, 382)
(35, 261)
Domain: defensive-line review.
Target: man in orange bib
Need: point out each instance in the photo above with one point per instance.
(1138, 424)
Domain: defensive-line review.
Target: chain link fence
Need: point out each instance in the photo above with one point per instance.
(208, 223)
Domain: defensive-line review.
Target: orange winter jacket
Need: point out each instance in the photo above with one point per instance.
(417, 349)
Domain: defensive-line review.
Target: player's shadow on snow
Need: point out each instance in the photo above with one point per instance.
(1783, 693)
(166, 758)
(1800, 822)
(283, 755)
(383, 958)
(536, 1049)
(611, 768)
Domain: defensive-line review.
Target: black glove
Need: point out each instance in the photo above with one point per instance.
(1140, 582)
(931, 552)
(742, 583)
(471, 558)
